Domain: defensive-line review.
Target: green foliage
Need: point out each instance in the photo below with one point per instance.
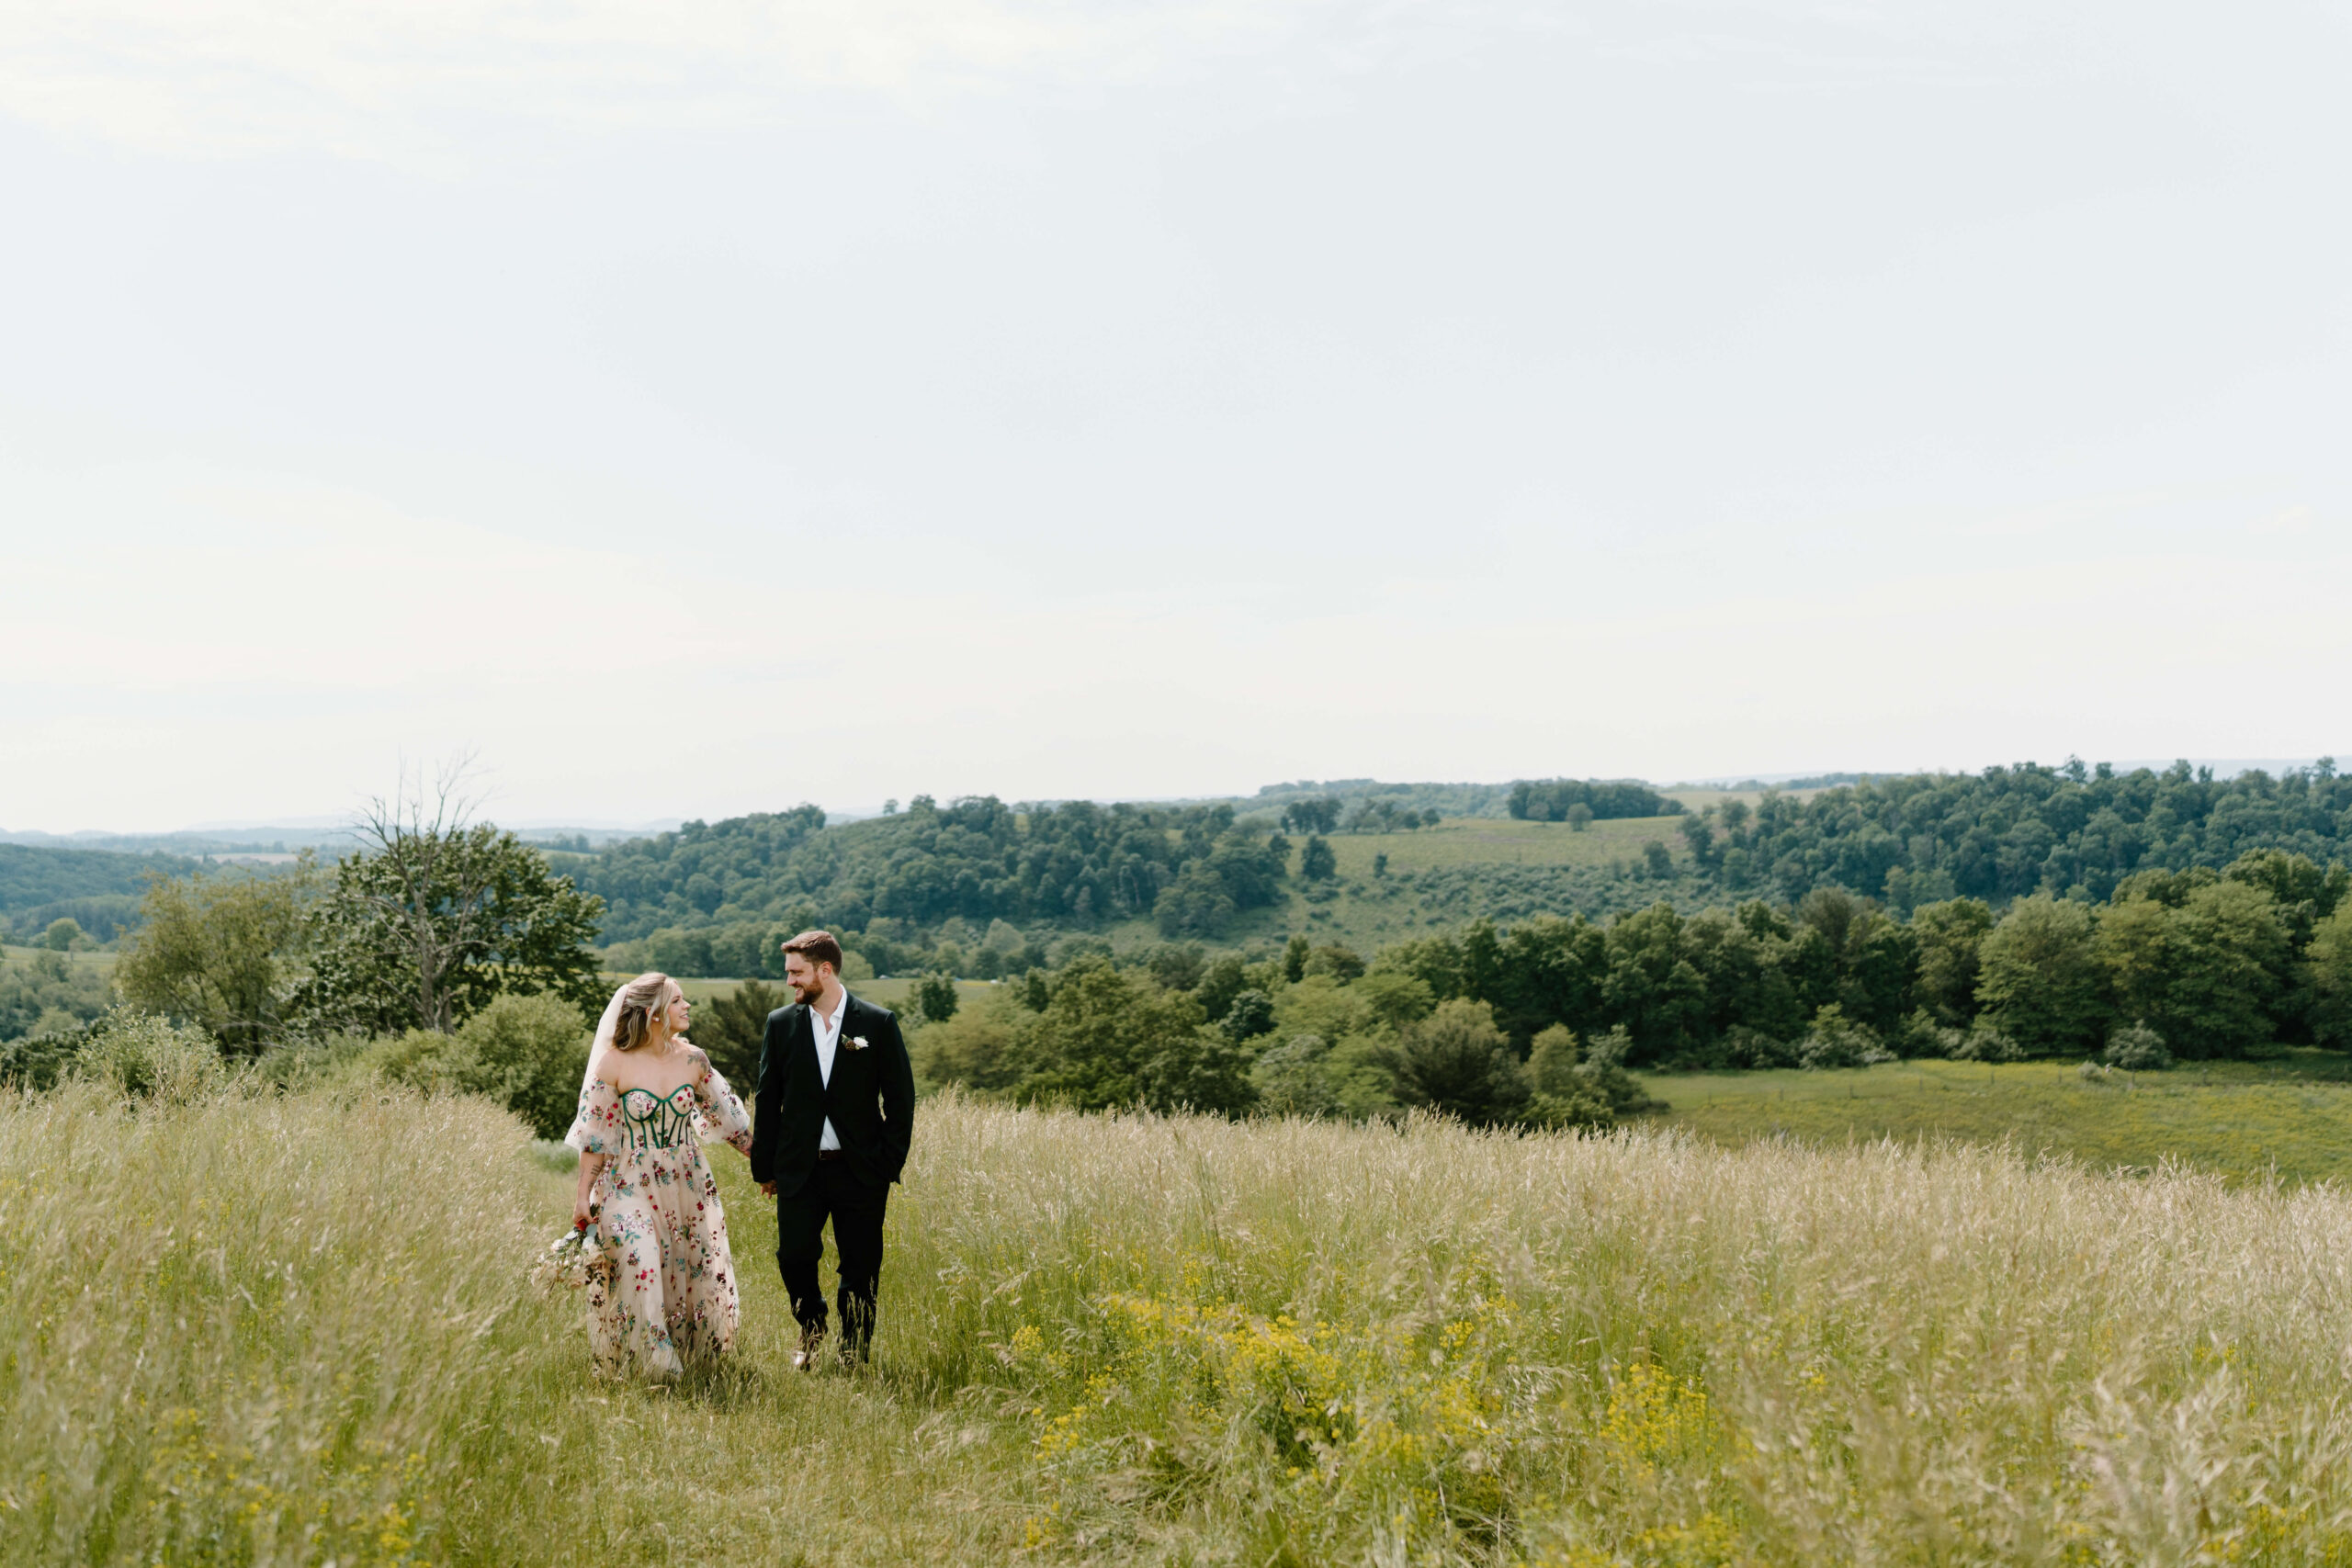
(731, 1030)
(63, 935)
(98, 889)
(529, 1053)
(523, 1052)
(1982, 1040)
(2040, 978)
(1076, 864)
(1948, 936)
(1550, 800)
(1251, 1015)
(935, 997)
(2009, 832)
(2328, 971)
(47, 993)
(1837, 1040)
(1455, 1060)
(1316, 862)
(2202, 972)
(1320, 814)
(1293, 1078)
(426, 931)
(222, 950)
(1107, 1039)
(138, 1055)
(2136, 1048)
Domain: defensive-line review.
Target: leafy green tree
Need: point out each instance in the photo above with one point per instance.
(935, 998)
(1295, 954)
(2038, 978)
(1251, 1015)
(1195, 904)
(1342, 963)
(733, 1028)
(1395, 1000)
(1458, 1062)
(1107, 1039)
(62, 934)
(2327, 964)
(1579, 816)
(1949, 934)
(219, 951)
(1317, 863)
(1563, 1094)
(1655, 862)
(2201, 974)
(1293, 1078)
(1652, 986)
(434, 917)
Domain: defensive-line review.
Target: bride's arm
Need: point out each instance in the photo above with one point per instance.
(591, 1166)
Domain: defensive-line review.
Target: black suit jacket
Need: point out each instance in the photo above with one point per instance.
(871, 1099)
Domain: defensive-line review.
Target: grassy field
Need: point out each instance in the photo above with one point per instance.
(1179, 1341)
(2291, 1116)
(99, 961)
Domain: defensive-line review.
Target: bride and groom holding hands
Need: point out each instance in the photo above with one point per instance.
(835, 1104)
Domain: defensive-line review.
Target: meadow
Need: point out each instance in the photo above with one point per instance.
(1170, 1340)
(2288, 1117)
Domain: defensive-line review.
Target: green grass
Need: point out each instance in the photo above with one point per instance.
(2291, 1116)
(1110, 1340)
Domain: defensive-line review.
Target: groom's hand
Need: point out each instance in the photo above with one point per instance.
(768, 1188)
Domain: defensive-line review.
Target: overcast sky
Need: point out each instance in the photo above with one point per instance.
(700, 408)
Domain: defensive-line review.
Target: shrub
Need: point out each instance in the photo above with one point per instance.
(1458, 1062)
(141, 1057)
(1837, 1040)
(525, 1054)
(1746, 1047)
(2136, 1049)
(1293, 1078)
(529, 1053)
(1985, 1041)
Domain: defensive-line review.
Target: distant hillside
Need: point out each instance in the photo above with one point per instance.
(1000, 885)
(97, 888)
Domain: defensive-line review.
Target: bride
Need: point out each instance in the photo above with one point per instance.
(661, 1294)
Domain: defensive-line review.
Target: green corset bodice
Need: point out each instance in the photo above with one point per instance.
(650, 1121)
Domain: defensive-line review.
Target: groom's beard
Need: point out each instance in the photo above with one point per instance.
(807, 993)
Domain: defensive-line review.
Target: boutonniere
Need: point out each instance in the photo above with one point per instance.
(857, 1042)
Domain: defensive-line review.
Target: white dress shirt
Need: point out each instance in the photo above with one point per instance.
(828, 1039)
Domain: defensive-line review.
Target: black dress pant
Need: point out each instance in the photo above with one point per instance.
(857, 1209)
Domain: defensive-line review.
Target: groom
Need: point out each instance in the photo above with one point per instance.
(836, 1104)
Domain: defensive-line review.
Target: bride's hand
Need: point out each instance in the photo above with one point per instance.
(583, 1212)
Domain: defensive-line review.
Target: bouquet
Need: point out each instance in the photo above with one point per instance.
(566, 1264)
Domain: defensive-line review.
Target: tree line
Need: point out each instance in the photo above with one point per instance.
(1534, 1024)
(979, 860)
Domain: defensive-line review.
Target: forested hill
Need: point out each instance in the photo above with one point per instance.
(1031, 874)
(1077, 864)
(97, 888)
(2010, 831)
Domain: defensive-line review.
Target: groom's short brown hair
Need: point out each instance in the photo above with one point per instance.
(817, 947)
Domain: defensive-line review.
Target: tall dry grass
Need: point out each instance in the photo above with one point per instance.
(286, 1329)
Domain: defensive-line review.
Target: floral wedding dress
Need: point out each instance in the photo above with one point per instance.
(661, 1295)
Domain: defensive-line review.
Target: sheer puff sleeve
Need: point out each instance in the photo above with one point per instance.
(720, 1110)
(595, 1127)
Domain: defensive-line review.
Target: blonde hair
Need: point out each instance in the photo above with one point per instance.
(642, 999)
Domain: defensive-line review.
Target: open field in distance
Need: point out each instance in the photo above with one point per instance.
(2291, 1117)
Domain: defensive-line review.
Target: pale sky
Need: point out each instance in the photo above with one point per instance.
(700, 408)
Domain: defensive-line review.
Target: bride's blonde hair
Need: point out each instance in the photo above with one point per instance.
(642, 998)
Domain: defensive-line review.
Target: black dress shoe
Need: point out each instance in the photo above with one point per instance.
(812, 1341)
